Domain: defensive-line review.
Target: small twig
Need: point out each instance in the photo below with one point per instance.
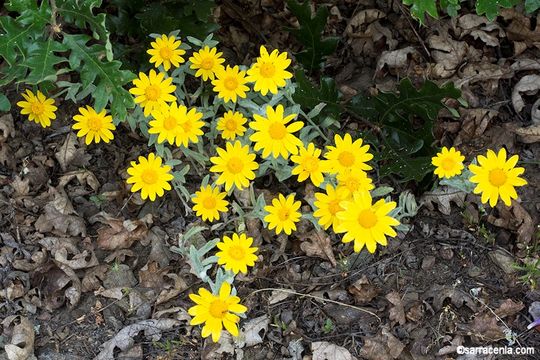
(125, 204)
(316, 298)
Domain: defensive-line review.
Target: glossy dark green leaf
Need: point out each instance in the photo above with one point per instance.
(42, 61)
(490, 8)
(532, 5)
(419, 8)
(5, 105)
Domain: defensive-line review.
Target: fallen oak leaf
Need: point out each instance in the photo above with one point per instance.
(251, 331)
(509, 308)
(69, 154)
(383, 346)
(363, 291)
(323, 350)
(442, 197)
(318, 244)
(397, 312)
(21, 345)
(528, 84)
(121, 234)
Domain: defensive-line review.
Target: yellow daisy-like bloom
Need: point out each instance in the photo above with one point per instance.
(236, 253)
(496, 177)
(231, 125)
(230, 84)
(190, 126)
(348, 155)
(209, 202)
(328, 205)
(309, 164)
(236, 165)
(269, 73)
(38, 108)
(207, 62)
(448, 163)
(353, 181)
(94, 126)
(152, 91)
(216, 312)
(283, 214)
(366, 223)
(273, 135)
(166, 50)
(149, 176)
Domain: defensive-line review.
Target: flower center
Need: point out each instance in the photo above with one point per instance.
(230, 83)
(352, 184)
(166, 53)
(277, 130)
(152, 92)
(497, 177)
(267, 70)
(333, 207)
(237, 252)
(38, 108)
(209, 202)
(207, 63)
(94, 123)
(311, 163)
(346, 158)
(367, 219)
(218, 309)
(230, 124)
(186, 125)
(169, 123)
(235, 165)
(448, 164)
(149, 176)
(284, 213)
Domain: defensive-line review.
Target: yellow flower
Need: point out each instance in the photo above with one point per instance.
(176, 125)
(348, 155)
(153, 91)
(366, 223)
(283, 214)
(231, 125)
(190, 126)
(273, 135)
(269, 73)
(353, 181)
(216, 312)
(309, 164)
(230, 84)
(207, 62)
(209, 202)
(166, 51)
(496, 177)
(38, 108)
(328, 205)
(236, 165)
(95, 126)
(149, 176)
(448, 163)
(236, 253)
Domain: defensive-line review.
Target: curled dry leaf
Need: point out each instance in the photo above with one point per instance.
(363, 291)
(515, 218)
(253, 331)
(58, 215)
(485, 329)
(174, 285)
(317, 243)
(93, 278)
(397, 312)
(20, 186)
(383, 346)
(509, 308)
(121, 234)
(124, 340)
(440, 293)
(65, 251)
(480, 28)
(529, 84)
(84, 177)
(7, 129)
(521, 27)
(395, 59)
(447, 53)
(323, 350)
(442, 197)
(474, 123)
(365, 30)
(69, 154)
(21, 344)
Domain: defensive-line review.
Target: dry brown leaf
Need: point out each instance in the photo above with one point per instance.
(509, 308)
(69, 153)
(383, 346)
(124, 340)
(323, 350)
(515, 218)
(317, 243)
(484, 328)
(397, 312)
(442, 197)
(364, 30)
(93, 278)
(527, 134)
(529, 84)
(396, 58)
(173, 287)
(65, 251)
(363, 291)
(20, 186)
(447, 53)
(7, 129)
(440, 293)
(151, 275)
(58, 215)
(21, 345)
(480, 28)
(473, 124)
(84, 177)
(121, 234)
(521, 27)
(253, 331)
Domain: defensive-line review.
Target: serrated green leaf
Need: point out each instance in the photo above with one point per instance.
(106, 76)
(13, 39)
(309, 96)
(419, 9)
(532, 5)
(5, 105)
(490, 8)
(42, 60)
(309, 34)
(81, 13)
